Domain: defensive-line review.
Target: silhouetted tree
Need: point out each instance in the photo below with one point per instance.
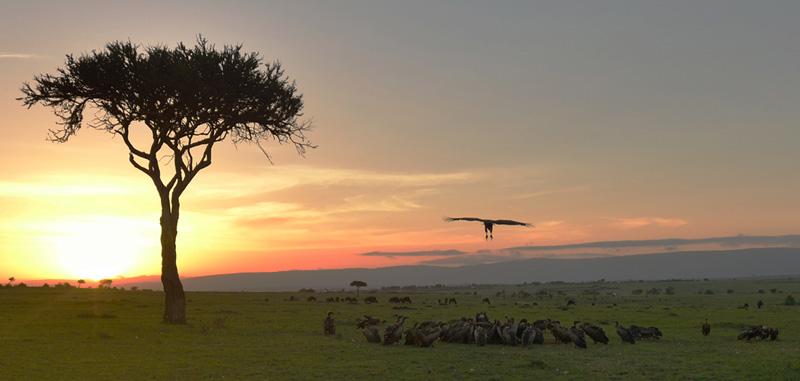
(358, 284)
(105, 283)
(80, 282)
(11, 281)
(178, 103)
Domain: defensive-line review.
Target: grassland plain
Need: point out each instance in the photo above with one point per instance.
(91, 334)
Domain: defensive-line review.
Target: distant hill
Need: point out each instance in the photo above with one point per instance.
(762, 262)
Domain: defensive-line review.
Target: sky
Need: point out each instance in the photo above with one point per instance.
(613, 127)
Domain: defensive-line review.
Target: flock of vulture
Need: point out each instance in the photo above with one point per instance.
(482, 331)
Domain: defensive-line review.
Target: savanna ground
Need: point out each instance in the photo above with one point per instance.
(70, 333)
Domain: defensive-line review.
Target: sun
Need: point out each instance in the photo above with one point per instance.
(99, 247)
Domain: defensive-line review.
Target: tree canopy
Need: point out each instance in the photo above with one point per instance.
(187, 97)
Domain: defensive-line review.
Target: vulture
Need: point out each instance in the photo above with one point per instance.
(521, 328)
(369, 321)
(595, 332)
(425, 336)
(649, 333)
(411, 334)
(560, 333)
(706, 328)
(465, 333)
(328, 325)
(372, 333)
(510, 331)
(757, 332)
(625, 334)
(750, 332)
(481, 337)
(773, 333)
(487, 224)
(636, 331)
(541, 324)
(394, 332)
(457, 333)
(532, 335)
(576, 335)
(495, 332)
(430, 324)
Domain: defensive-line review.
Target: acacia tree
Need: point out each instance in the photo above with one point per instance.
(358, 284)
(173, 104)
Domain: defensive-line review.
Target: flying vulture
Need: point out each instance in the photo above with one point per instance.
(487, 224)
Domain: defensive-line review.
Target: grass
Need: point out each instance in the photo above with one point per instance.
(88, 334)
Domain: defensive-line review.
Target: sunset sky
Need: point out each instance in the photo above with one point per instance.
(595, 121)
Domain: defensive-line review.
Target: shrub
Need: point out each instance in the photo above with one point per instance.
(789, 301)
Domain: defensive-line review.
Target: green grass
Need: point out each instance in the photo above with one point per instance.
(90, 334)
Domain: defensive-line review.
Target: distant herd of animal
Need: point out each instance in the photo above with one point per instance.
(481, 330)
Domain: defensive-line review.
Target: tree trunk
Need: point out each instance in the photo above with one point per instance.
(174, 297)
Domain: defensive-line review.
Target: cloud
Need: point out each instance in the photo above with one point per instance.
(431, 253)
(19, 55)
(746, 240)
(640, 222)
(460, 258)
(477, 258)
(661, 245)
(471, 259)
(328, 199)
(268, 209)
(674, 243)
(70, 186)
(331, 190)
(290, 176)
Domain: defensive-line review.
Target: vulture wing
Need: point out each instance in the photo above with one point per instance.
(451, 219)
(510, 222)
